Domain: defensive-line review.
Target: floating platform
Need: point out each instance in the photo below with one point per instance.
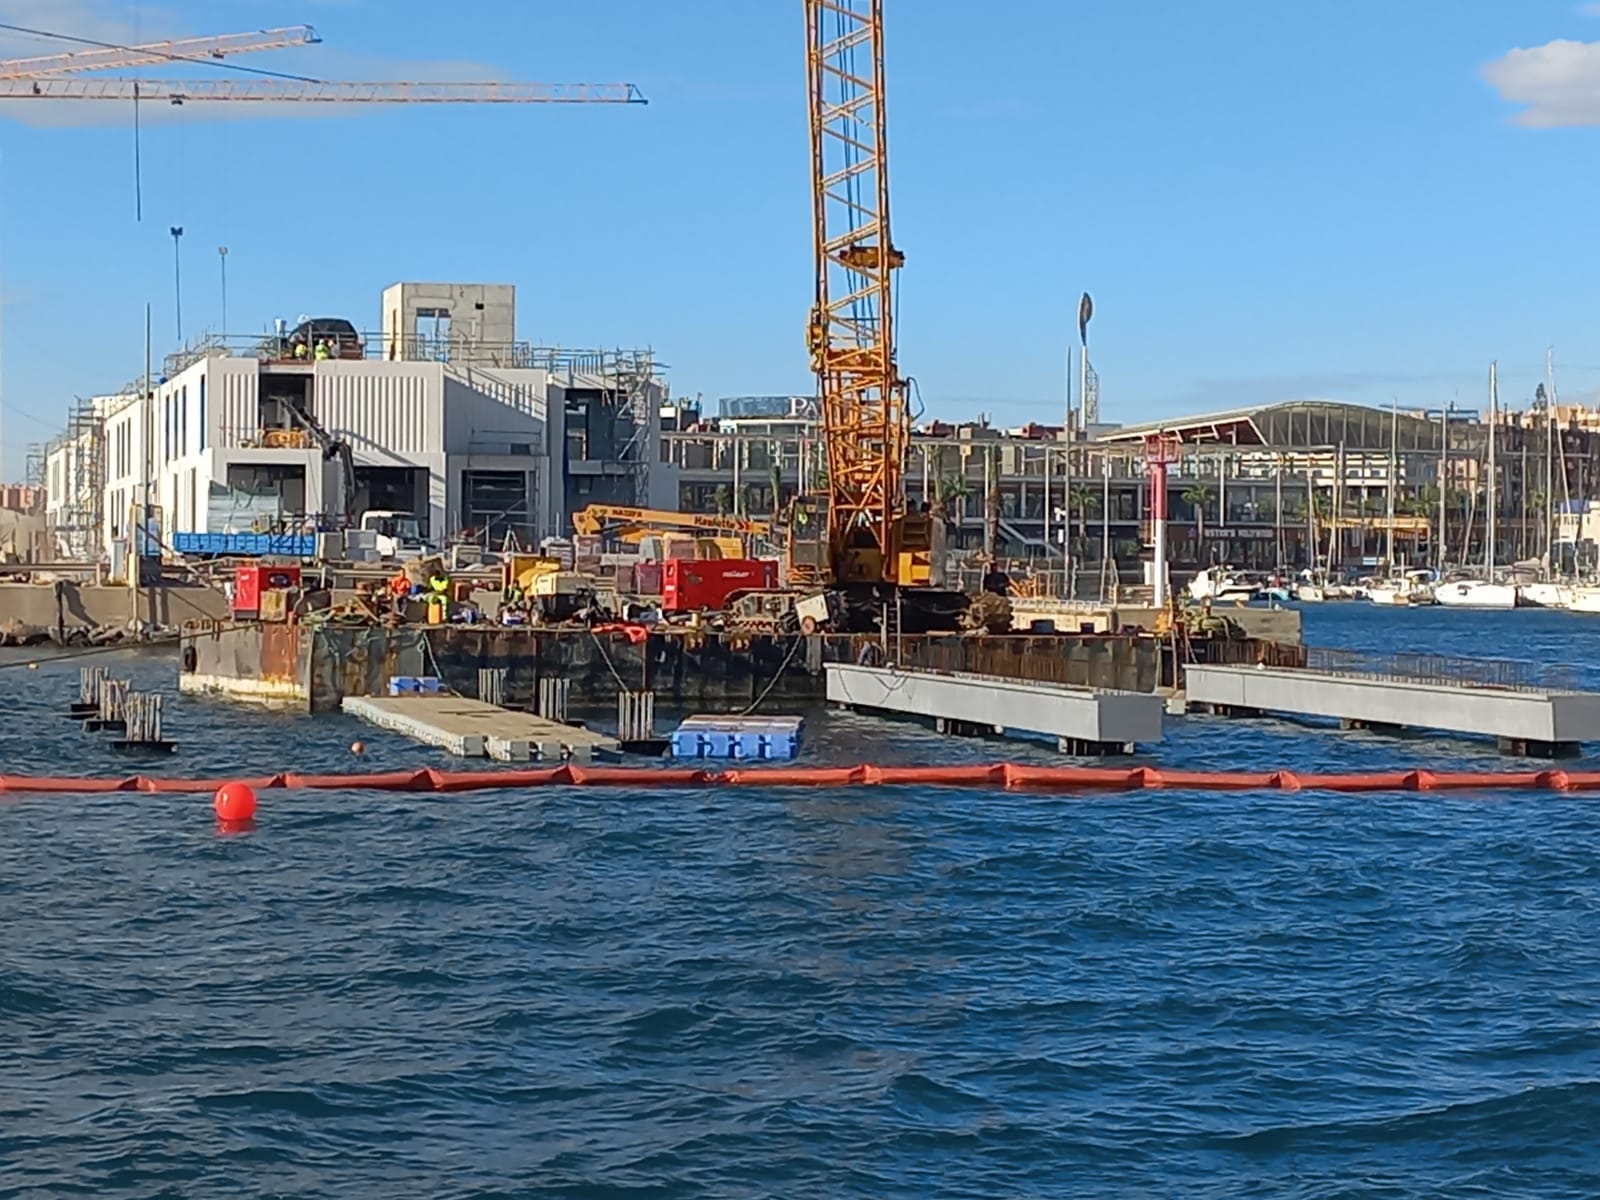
(1523, 720)
(473, 729)
(737, 737)
(1081, 720)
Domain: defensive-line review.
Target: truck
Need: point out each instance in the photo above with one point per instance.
(399, 534)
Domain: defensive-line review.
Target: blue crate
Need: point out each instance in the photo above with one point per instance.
(737, 737)
(415, 685)
(245, 545)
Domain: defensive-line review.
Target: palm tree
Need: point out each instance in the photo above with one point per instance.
(1082, 497)
(1199, 495)
(724, 499)
(1424, 503)
(956, 489)
(775, 480)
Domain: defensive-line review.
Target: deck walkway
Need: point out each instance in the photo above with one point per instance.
(473, 729)
(1522, 719)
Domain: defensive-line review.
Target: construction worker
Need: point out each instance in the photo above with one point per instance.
(300, 351)
(438, 597)
(399, 592)
(323, 352)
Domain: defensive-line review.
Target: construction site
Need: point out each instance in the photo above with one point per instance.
(339, 507)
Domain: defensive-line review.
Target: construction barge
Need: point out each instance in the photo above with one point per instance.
(313, 667)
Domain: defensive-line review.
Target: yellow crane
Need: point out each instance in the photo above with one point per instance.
(42, 78)
(877, 552)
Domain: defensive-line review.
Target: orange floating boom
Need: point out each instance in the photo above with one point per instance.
(989, 776)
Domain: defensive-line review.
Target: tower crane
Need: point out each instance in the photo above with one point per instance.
(877, 553)
(43, 78)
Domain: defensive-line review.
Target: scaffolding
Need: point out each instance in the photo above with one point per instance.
(638, 398)
(75, 463)
(618, 394)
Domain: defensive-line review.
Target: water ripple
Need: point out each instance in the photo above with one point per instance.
(916, 992)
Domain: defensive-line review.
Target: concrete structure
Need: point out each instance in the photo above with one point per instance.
(75, 604)
(1081, 720)
(473, 729)
(1522, 721)
(450, 322)
(444, 414)
(233, 443)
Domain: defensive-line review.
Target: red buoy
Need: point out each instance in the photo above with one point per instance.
(235, 802)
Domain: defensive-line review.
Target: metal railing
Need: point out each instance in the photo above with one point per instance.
(557, 360)
(1516, 675)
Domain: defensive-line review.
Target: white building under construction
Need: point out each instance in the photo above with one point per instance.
(443, 416)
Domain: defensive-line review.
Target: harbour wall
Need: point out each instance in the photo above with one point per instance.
(314, 667)
(75, 605)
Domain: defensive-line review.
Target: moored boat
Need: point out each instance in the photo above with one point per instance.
(1475, 593)
(1545, 594)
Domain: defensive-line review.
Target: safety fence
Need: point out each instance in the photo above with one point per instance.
(1504, 674)
(991, 776)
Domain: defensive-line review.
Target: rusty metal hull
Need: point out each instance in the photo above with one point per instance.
(265, 664)
(315, 667)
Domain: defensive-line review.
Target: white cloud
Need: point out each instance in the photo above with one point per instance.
(1558, 83)
(116, 22)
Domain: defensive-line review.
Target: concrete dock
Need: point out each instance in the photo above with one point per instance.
(473, 729)
(1082, 720)
(1523, 720)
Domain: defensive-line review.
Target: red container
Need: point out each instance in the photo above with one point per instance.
(249, 582)
(706, 583)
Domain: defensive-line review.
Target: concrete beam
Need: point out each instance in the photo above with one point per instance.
(1550, 723)
(1083, 719)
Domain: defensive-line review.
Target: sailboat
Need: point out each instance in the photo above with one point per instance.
(1484, 592)
(1551, 591)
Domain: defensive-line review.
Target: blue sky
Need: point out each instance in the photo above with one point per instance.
(1335, 198)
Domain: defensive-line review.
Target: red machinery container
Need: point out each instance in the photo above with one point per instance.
(689, 585)
(249, 582)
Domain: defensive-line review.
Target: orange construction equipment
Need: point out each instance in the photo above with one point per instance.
(598, 518)
(877, 551)
(987, 776)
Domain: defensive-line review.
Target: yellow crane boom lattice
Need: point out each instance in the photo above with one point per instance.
(851, 336)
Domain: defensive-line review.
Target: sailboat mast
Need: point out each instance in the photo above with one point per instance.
(1491, 496)
(1394, 467)
(1444, 484)
(1549, 459)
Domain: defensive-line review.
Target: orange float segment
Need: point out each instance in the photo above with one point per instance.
(1011, 776)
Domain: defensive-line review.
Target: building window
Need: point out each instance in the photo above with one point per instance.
(183, 421)
(201, 435)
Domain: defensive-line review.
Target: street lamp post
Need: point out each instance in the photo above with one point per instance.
(177, 278)
(222, 256)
